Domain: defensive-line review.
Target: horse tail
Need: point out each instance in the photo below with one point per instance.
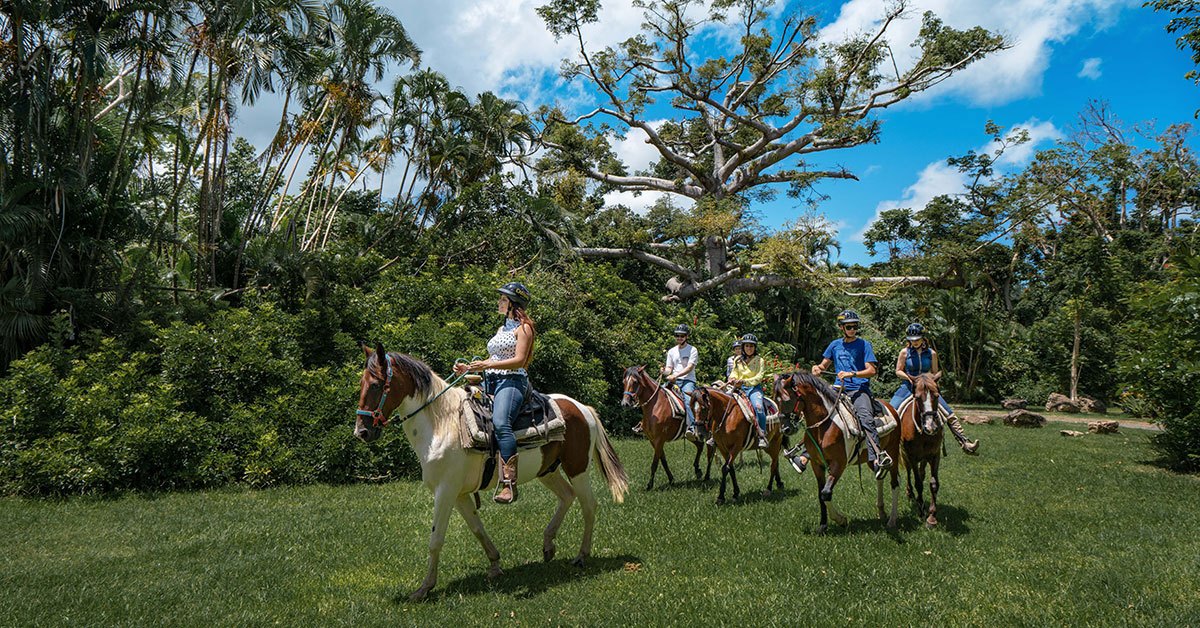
(606, 458)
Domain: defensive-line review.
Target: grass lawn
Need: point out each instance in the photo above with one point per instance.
(1038, 530)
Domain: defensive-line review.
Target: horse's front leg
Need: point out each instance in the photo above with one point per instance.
(443, 500)
(666, 467)
(696, 462)
(827, 493)
(561, 489)
(658, 454)
(931, 521)
(466, 507)
(712, 452)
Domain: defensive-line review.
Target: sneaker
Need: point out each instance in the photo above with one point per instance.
(692, 435)
(799, 463)
(637, 428)
(710, 442)
(762, 443)
(882, 464)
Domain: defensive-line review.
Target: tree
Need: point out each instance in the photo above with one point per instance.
(741, 124)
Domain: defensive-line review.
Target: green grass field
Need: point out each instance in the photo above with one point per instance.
(1039, 530)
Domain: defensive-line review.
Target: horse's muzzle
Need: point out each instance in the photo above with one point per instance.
(365, 432)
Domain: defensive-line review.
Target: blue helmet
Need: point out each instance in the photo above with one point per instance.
(516, 292)
(915, 331)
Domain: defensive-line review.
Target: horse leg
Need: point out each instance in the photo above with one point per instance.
(442, 502)
(774, 475)
(587, 501)
(724, 474)
(666, 467)
(931, 521)
(712, 451)
(658, 452)
(466, 507)
(879, 498)
(920, 478)
(827, 495)
(891, 524)
(561, 489)
(908, 478)
(696, 462)
(737, 491)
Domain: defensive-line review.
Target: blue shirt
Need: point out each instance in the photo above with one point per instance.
(851, 356)
(917, 361)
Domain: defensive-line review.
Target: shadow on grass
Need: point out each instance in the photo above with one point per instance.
(528, 580)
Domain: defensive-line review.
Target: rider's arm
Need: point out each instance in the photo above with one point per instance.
(900, 365)
(817, 369)
(934, 369)
(666, 369)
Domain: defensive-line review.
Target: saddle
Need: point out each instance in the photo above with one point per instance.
(675, 398)
(847, 420)
(539, 421)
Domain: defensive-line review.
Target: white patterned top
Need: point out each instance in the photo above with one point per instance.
(503, 346)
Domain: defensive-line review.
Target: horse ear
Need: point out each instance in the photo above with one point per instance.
(381, 352)
(641, 368)
(938, 376)
(365, 349)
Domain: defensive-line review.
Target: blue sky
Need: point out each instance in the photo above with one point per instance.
(1065, 53)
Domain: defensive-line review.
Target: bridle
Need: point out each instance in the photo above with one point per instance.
(379, 419)
(637, 379)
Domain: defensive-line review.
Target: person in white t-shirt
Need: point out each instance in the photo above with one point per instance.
(680, 370)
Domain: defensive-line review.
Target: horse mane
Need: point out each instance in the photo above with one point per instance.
(827, 393)
(444, 411)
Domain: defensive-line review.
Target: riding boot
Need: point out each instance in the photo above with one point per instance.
(969, 447)
(508, 481)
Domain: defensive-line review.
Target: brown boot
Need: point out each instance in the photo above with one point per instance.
(969, 447)
(508, 481)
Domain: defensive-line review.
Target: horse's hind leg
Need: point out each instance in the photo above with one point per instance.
(561, 489)
(737, 491)
(895, 497)
(587, 501)
(466, 507)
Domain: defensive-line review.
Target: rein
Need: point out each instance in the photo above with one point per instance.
(379, 419)
(637, 402)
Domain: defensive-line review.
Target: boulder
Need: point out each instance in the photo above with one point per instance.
(977, 419)
(1103, 427)
(1074, 433)
(1093, 406)
(1024, 418)
(1060, 403)
(1014, 404)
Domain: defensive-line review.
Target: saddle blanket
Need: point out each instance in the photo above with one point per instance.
(847, 421)
(538, 422)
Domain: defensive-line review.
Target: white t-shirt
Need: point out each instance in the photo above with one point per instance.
(679, 358)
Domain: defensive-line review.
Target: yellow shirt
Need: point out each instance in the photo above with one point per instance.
(749, 372)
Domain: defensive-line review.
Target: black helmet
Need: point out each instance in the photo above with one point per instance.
(516, 292)
(737, 343)
(683, 330)
(750, 339)
(848, 316)
(915, 331)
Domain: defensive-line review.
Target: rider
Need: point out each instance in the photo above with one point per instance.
(680, 370)
(505, 378)
(747, 373)
(855, 361)
(737, 351)
(916, 358)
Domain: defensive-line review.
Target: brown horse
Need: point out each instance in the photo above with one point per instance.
(659, 423)
(807, 395)
(734, 432)
(432, 422)
(921, 438)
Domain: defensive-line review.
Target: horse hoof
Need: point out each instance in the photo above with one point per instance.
(720, 501)
(891, 524)
(766, 493)
(930, 524)
(419, 594)
(494, 572)
(578, 562)
(548, 554)
(650, 487)
(822, 530)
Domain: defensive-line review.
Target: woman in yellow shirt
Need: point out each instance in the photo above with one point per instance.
(748, 370)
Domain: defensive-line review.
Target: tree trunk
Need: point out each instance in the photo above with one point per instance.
(1075, 355)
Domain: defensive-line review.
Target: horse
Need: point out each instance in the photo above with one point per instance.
(659, 423)
(433, 425)
(805, 394)
(733, 432)
(921, 442)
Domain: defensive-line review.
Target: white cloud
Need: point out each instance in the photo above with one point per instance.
(640, 204)
(938, 178)
(1033, 27)
(1090, 69)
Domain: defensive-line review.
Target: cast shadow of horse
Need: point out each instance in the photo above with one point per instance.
(528, 580)
(952, 520)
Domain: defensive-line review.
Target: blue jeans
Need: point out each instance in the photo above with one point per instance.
(508, 396)
(687, 387)
(905, 391)
(755, 393)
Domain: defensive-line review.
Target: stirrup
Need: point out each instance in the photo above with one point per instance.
(797, 462)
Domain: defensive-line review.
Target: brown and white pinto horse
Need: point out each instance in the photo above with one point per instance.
(659, 423)
(921, 441)
(807, 395)
(733, 432)
(432, 423)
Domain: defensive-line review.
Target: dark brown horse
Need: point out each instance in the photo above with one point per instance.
(921, 441)
(431, 419)
(734, 432)
(806, 395)
(659, 422)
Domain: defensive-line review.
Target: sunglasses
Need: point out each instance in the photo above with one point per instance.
(851, 327)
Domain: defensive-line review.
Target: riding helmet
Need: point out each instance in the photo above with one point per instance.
(848, 316)
(683, 330)
(750, 339)
(516, 292)
(916, 331)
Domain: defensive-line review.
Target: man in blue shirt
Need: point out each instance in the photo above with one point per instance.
(854, 359)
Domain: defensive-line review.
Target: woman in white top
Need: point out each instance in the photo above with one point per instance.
(680, 370)
(505, 378)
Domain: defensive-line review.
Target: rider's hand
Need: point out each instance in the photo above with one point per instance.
(845, 374)
(671, 378)
(479, 365)
(461, 367)
(817, 370)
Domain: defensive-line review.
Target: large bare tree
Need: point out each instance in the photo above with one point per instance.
(740, 125)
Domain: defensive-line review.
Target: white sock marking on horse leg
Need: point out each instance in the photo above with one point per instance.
(582, 484)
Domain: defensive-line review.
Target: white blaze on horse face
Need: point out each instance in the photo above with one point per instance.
(928, 403)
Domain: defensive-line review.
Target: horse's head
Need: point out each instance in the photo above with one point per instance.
(787, 398)
(708, 404)
(632, 384)
(382, 389)
(925, 400)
